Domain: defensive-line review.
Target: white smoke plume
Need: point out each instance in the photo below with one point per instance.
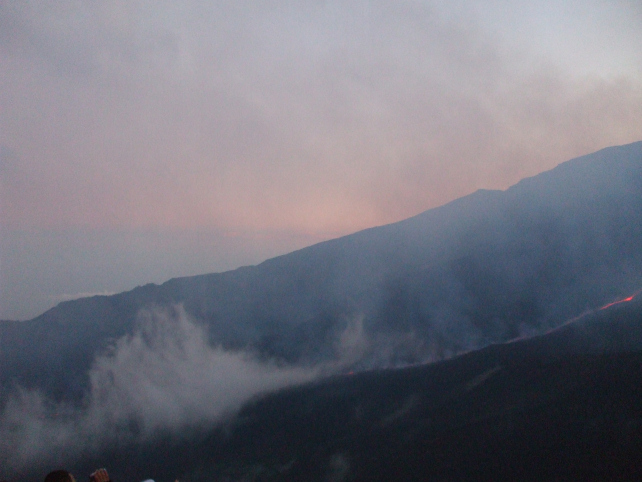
(163, 379)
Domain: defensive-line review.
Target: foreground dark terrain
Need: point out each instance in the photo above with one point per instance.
(563, 406)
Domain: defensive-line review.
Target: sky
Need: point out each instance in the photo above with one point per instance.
(144, 140)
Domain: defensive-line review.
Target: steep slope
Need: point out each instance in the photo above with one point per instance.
(563, 406)
(485, 268)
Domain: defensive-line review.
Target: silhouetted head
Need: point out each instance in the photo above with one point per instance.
(59, 476)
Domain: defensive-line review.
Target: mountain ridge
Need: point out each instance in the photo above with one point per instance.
(484, 268)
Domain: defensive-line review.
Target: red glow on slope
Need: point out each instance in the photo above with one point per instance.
(630, 298)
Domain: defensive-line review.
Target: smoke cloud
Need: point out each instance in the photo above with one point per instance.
(163, 379)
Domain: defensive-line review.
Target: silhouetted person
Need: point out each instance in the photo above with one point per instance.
(59, 476)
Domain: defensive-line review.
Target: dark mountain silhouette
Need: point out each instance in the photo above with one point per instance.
(562, 406)
(483, 269)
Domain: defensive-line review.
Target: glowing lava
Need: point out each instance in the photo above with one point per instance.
(630, 298)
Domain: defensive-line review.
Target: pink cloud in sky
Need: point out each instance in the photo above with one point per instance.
(292, 118)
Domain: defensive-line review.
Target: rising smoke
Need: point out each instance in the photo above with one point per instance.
(163, 379)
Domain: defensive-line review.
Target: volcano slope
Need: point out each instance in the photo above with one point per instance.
(483, 269)
(566, 405)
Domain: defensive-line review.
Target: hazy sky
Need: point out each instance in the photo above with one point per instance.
(142, 140)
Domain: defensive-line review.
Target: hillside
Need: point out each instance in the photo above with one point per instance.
(485, 268)
(563, 406)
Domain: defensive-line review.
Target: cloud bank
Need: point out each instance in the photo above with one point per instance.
(316, 117)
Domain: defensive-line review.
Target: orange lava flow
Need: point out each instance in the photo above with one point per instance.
(630, 298)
